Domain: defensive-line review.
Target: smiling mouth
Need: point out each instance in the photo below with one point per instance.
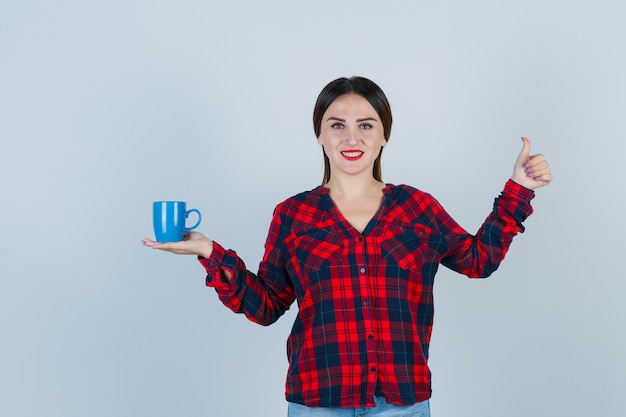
(352, 155)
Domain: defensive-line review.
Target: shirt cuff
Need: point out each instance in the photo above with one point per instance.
(518, 192)
(216, 265)
(515, 201)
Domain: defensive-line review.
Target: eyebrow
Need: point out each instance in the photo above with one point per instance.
(357, 120)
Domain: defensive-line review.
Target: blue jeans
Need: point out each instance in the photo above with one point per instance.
(382, 409)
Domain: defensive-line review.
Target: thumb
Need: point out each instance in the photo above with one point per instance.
(524, 154)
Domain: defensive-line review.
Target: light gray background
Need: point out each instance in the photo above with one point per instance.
(106, 106)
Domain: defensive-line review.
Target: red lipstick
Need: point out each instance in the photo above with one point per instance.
(352, 154)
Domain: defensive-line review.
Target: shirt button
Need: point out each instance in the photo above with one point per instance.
(362, 270)
(366, 304)
(370, 337)
(373, 369)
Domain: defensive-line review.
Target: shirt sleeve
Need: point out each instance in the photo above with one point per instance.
(262, 297)
(478, 256)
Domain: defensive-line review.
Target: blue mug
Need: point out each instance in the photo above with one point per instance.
(169, 218)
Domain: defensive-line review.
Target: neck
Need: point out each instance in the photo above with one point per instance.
(353, 186)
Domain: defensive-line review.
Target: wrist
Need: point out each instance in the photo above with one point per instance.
(207, 249)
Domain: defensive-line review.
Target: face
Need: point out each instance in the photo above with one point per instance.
(352, 135)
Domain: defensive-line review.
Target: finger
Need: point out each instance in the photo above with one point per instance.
(536, 159)
(524, 154)
(148, 242)
(540, 173)
(544, 179)
(168, 246)
(537, 166)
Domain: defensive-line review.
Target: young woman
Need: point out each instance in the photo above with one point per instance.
(360, 257)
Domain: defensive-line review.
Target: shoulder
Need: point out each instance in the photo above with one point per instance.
(412, 205)
(403, 193)
(307, 198)
(311, 205)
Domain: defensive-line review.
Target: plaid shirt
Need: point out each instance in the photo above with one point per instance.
(365, 299)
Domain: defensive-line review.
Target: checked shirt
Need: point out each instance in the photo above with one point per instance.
(365, 300)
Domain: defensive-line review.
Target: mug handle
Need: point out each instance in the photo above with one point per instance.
(187, 229)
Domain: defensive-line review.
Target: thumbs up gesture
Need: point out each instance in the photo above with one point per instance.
(531, 171)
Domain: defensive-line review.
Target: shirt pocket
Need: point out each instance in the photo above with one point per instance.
(318, 248)
(409, 246)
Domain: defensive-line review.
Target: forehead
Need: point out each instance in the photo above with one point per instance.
(351, 103)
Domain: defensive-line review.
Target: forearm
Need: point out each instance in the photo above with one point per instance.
(480, 255)
(262, 300)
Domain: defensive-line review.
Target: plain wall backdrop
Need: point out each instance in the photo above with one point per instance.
(106, 106)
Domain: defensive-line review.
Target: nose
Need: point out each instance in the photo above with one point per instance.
(351, 136)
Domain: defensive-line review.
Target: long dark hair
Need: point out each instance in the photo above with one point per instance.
(367, 89)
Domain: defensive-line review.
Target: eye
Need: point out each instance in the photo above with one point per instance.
(366, 126)
(336, 126)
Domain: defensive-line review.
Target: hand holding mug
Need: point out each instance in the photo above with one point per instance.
(193, 243)
(169, 221)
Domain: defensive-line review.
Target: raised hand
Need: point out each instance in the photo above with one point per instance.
(531, 171)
